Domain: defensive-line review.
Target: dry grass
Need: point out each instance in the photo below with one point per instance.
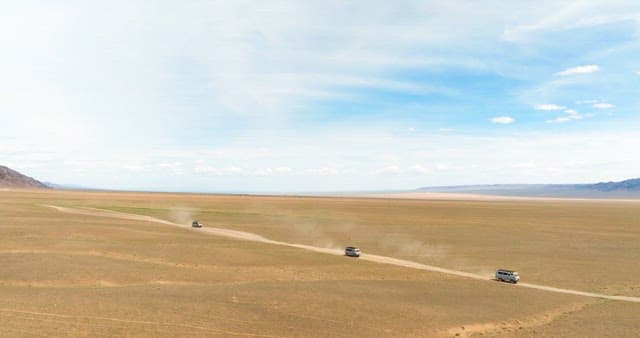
(77, 275)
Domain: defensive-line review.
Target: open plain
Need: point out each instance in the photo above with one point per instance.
(75, 269)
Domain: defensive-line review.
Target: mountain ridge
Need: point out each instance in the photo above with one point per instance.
(10, 178)
(625, 188)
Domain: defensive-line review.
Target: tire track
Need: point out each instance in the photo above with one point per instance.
(247, 236)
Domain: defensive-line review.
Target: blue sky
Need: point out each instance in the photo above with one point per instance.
(319, 95)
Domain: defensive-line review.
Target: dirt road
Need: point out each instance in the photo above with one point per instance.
(241, 235)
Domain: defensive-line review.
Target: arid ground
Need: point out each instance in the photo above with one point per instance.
(78, 271)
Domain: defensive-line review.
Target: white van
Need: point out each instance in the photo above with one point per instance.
(503, 275)
(352, 251)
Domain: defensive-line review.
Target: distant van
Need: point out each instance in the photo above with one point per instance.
(503, 275)
(352, 251)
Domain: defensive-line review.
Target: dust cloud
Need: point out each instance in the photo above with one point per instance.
(367, 257)
(325, 236)
(406, 246)
(325, 232)
(182, 215)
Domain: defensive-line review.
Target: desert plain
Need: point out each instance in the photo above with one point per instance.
(90, 263)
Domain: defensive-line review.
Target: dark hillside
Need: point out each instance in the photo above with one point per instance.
(10, 178)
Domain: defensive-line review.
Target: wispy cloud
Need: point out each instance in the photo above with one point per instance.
(572, 115)
(564, 119)
(549, 106)
(220, 87)
(203, 169)
(563, 16)
(603, 105)
(579, 70)
(503, 120)
(134, 167)
(418, 169)
(524, 165)
(587, 101)
(391, 169)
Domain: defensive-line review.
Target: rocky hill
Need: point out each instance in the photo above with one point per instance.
(10, 178)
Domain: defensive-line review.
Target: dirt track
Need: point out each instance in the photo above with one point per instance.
(368, 257)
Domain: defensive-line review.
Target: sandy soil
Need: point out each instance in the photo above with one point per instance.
(240, 235)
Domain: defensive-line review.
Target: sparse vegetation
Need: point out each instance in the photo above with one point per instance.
(80, 275)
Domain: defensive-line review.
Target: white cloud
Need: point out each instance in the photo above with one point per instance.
(391, 169)
(524, 165)
(192, 73)
(579, 70)
(323, 171)
(558, 16)
(587, 101)
(570, 117)
(134, 167)
(443, 166)
(418, 169)
(549, 106)
(333, 159)
(562, 119)
(503, 120)
(276, 171)
(603, 105)
(170, 165)
(242, 171)
(338, 80)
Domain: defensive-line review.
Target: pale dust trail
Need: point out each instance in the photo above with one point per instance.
(371, 258)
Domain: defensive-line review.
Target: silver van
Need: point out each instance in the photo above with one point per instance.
(503, 275)
(352, 251)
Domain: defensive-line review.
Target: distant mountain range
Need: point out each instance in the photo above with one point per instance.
(10, 178)
(623, 189)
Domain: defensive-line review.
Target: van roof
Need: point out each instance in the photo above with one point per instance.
(505, 270)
